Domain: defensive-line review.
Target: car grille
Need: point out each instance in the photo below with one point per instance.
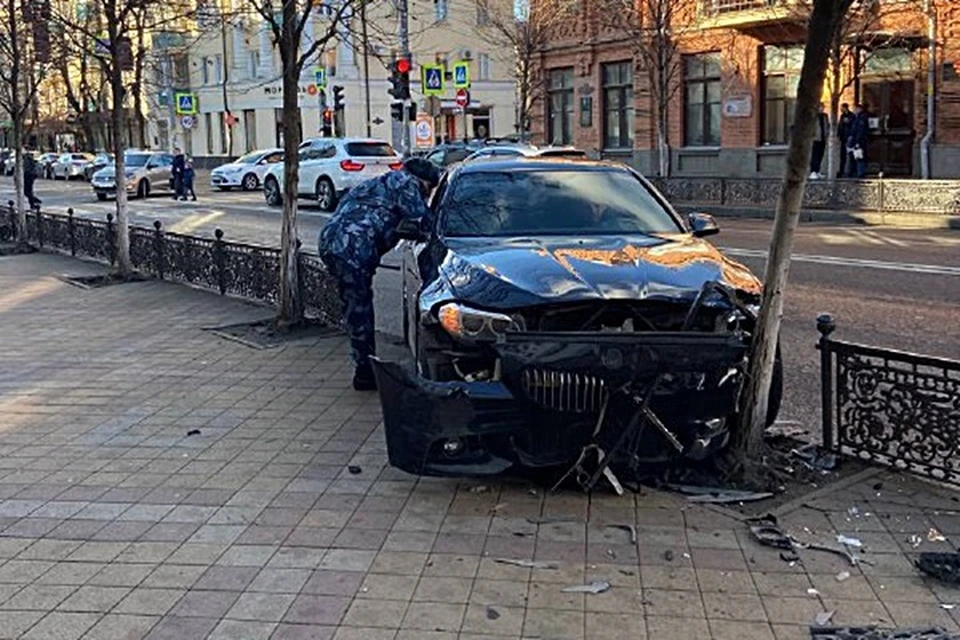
(563, 391)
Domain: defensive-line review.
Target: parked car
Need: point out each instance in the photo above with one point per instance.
(146, 172)
(330, 167)
(99, 161)
(451, 153)
(516, 151)
(246, 172)
(45, 164)
(71, 165)
(545, 303)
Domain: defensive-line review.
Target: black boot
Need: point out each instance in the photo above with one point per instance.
(363, 379)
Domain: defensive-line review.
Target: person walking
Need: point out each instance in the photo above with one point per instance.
(819, 143)
(360, 232)
(29, 177)
(843, 132)
(176, 171)
(188, 175)
(857, 142)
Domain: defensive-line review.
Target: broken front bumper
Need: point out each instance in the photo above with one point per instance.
(553, 390)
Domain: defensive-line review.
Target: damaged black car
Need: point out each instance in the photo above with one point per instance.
(559, 312)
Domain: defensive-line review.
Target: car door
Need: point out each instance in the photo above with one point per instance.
(159, 171)
(412, 260)
(265, 162)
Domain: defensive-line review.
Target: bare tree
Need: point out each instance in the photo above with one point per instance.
(523, 27)
(652, 29)
(116, 51)
(287, 24)
(24, 61)
(826, 19)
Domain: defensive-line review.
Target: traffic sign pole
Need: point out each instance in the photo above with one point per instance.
(405, 55)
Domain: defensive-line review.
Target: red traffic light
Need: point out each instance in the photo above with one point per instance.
(403, 66)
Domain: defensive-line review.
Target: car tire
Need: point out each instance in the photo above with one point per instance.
(326, 194)
(101, 197)
(143, 189)
(249, 182)
(271, 192)
(775, 398)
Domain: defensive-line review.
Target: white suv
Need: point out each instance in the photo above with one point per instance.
(330, 167)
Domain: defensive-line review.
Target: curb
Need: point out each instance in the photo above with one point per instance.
(902, 220)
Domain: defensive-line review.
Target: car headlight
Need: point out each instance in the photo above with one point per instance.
(129, 175)
(474, 325)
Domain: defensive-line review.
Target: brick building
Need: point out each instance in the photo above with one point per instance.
(730, 101)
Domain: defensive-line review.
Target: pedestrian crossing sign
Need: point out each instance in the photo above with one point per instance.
(433, 79)
(321, 78)
(461, 75)
(186, 104)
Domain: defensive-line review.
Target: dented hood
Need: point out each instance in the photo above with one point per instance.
(514, 272)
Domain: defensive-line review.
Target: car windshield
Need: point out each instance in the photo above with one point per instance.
(136, 159)
(551, 202)
(250, 158)
(370, 149)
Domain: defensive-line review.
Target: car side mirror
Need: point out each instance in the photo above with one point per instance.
(409, 229)
(703, 225)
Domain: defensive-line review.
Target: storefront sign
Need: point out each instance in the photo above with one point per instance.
(277, 90)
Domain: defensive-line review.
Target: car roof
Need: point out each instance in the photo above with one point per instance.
(535, 163)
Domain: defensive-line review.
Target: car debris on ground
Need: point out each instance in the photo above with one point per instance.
(629, 528)
(527, 564)
(942, 566)
(716, 495)
(594, 587)
(767, 532)
(872, 632)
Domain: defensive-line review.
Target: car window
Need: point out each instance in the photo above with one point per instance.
(457, 155)
(370, 149)
(163, 161)
(550, 202)
(273, 158)
(563, 153)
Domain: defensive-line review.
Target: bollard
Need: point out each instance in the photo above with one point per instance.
(826, 326)
(158, 248)
(220, 260)
(72, 232)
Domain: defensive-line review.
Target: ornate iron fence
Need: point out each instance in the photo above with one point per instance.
(891, 407)
(230, 268)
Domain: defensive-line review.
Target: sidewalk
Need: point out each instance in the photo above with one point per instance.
(117, 524)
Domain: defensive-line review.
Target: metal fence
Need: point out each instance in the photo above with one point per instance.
(230, 268)
(890, 407)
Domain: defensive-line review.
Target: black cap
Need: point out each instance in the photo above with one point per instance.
(424, 170)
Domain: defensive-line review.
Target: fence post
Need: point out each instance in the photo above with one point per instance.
(13, 219)
(220, 260)
(158, 246)
(883, 194)
(826, 326)
(111, 240)
(39, 227)
(72, 231)
(723, 191)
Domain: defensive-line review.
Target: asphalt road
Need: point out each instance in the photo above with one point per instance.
(886, 287)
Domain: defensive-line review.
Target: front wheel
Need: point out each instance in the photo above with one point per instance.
(249, 182)
(143, 190)
(271, 192)
(326, 194)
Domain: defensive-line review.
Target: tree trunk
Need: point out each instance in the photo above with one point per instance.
(291, 298)
(824, 21)
(22, 239)
(117, 120)
(663, 148)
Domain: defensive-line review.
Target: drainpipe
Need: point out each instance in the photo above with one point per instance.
(931, 81)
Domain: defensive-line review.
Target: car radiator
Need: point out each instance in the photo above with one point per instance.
(564, 391)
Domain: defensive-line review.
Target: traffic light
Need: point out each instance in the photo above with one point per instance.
(400, 79)
(338, 102)
(327, 127)
(396, 112)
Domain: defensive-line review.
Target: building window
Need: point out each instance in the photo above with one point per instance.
(618, 105)
(250, 129)
(483, 15)
(223, 133)
(560, 106)
(701, 100)
(483, 66)
(218, 69)
(330, 62)
(781, 75)
(208, 126)
(205, 65)
(441, 10)
(253, 64)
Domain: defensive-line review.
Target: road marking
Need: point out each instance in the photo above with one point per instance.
(908, 267)
(187, 225)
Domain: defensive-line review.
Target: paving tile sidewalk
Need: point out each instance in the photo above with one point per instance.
(116, 524)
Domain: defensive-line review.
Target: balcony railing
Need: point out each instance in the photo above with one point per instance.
(746, 13)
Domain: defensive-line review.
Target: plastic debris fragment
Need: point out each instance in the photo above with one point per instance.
(594, 587)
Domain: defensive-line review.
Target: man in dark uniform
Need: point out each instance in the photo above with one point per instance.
(176, 172)
(360, 232)
(843, 132)
(29, 177)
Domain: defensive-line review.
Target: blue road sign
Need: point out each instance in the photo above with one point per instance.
(186, 104)
(321, 78)
(461, 75)
(432, 80)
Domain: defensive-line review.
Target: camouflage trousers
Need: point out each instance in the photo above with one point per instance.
(356, 296)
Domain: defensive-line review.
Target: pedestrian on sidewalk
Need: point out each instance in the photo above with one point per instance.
(188, 175)
(360, 232)
(176, 171)
(843, 132)
(819, 143)
(857, 142)
(29, 177)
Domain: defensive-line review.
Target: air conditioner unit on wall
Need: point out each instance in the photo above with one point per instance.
(465, 54)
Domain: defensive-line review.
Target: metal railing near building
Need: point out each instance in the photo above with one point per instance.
(229, 268)
(721, 7)
(890, 407)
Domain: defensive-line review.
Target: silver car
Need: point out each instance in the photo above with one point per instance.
(146, 172)
(71, 165)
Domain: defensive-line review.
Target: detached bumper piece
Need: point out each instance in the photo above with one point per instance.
(875, 633)
(629, 398)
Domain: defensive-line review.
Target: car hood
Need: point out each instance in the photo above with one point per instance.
(111, 171)
(230, 166)
(507, 273)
